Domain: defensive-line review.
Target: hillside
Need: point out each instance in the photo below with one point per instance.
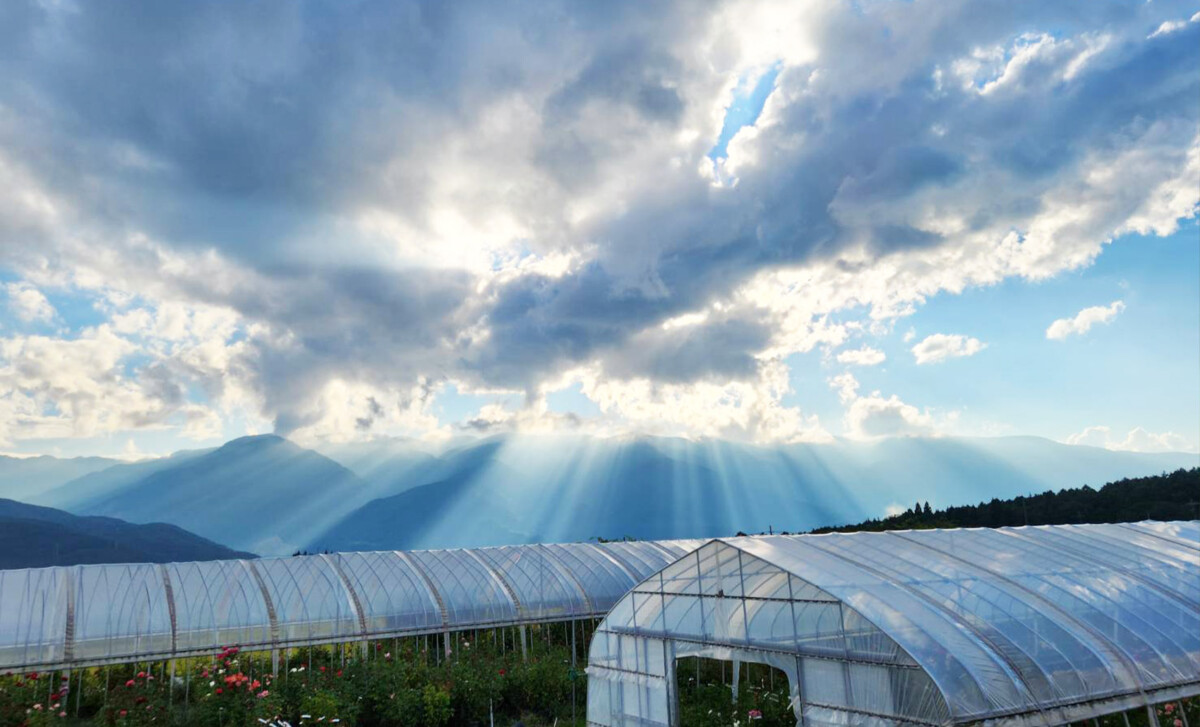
(35, 537)
(1166, 497)
(262, 494)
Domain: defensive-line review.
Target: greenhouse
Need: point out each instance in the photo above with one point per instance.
(63, 617)
(1014, 626)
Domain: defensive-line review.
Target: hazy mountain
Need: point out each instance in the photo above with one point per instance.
(35, 537)
(387, 466)
(22, 478)
(523, 489)
(261, 493)
(84, 491)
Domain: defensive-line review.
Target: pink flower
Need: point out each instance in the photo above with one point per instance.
(1169, 708)
(122, 713)
(1178, 722)
(141, 675)
(130, 683)
(263, 694)
(62, 714)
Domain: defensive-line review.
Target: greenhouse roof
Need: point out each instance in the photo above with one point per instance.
(1028, 625)
(94, 614)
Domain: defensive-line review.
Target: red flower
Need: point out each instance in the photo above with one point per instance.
(141, 675)
(122, 713)
(220, 690)
(130, 683)
(339, 672)
(255, 684)
(33, 675)
(322, 670)
(501, 672)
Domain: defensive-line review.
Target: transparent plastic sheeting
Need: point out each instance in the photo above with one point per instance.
(1031, 625)
(94, 614)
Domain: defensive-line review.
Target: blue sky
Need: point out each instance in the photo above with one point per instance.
(886, 219)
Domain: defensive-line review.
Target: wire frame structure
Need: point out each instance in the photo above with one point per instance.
(1012, 626)
(60, 617)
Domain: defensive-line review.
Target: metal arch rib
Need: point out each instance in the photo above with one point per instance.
(433, 591)
(568, 574)
(266, 596)
(986, 643)
(508, 589)
(1113, 649)
(618, 562)
(1177, 542)
(336, 564)
(170, 594)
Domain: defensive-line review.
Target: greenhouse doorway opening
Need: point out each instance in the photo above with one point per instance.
(714, 692)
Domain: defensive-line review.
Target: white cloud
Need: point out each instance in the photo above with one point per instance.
(504, 233)
(877, 416)
(28, 303)
(1169, 26)
(865, 356)
(1136, 440)
(873, 415)
(942, 346)
(1083, 321)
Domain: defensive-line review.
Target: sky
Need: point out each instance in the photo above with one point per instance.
(760, 221)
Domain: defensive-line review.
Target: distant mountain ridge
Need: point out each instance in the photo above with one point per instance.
(36, 537)
(23, 478)
(267, 495)
(260, 493)
(530, 489)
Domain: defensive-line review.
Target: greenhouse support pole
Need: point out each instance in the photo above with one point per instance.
(171, 687)
(1182, 713)
(524, 655)
(79, 694)
(737, 673)
(1152, 715)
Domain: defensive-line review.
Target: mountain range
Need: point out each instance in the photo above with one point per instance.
(268, 495)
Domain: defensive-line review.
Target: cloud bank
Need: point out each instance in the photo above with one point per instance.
(316, 218)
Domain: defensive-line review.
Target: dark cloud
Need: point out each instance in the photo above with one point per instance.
(263, 133)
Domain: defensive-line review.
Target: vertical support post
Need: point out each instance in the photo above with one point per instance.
(737, 674)
(1152, 715)
(525, 655)
(1182, 713)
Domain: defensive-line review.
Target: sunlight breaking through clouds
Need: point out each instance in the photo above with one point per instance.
(327, 223)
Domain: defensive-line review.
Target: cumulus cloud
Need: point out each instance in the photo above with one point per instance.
(942, 346)
(374, 200)
(28, 303)
(865, 356)
(1083, 321)
(1136, 440)
(874, 415)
